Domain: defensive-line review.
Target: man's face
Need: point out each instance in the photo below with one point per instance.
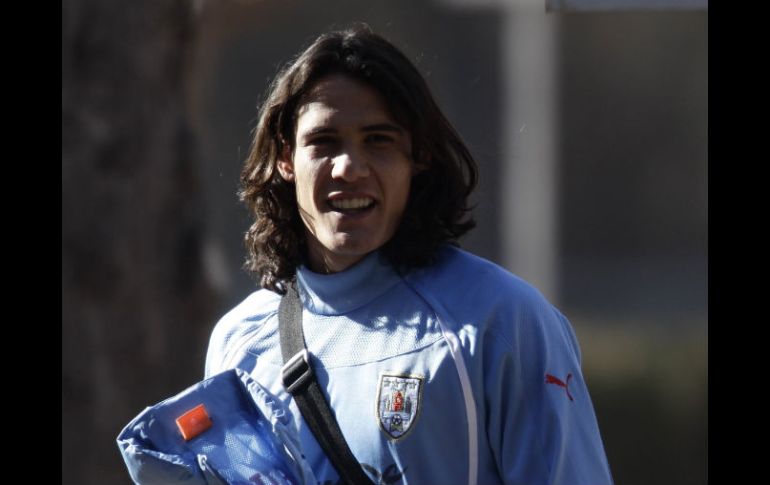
(352, 167)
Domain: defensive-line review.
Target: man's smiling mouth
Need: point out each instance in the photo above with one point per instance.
(354, 204)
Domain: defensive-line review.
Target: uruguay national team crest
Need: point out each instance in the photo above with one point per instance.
(399, 398)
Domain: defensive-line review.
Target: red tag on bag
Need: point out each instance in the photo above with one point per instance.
(193, 422)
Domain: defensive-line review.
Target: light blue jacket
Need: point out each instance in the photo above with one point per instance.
(457, 373)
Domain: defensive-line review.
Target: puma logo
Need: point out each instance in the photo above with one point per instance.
(549, 379)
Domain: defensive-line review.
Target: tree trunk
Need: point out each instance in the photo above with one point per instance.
(136, 309)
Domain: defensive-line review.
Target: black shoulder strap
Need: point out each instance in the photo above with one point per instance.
(300, 381)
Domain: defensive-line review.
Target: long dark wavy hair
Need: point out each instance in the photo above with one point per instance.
(437, 210)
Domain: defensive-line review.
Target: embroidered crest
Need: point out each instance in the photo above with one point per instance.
(399, 398)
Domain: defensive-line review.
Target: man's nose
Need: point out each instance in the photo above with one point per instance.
(349, 166)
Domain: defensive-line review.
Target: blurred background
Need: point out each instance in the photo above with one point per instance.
(588, 120)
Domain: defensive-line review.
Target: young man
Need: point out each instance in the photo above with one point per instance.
(440, 367)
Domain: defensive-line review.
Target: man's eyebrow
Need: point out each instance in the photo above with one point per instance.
(319, 130)
(383, 127)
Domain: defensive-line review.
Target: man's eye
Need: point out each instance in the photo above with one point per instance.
(379, 138)
(322, 140)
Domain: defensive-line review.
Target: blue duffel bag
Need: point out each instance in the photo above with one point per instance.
(225, 430)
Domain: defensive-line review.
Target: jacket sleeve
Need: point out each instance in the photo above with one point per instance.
(235, 327)
(540, 424)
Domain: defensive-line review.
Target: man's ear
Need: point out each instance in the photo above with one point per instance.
(422, 163)
(285, 164)
(420, 167)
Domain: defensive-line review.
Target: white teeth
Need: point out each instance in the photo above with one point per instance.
(356, 203)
